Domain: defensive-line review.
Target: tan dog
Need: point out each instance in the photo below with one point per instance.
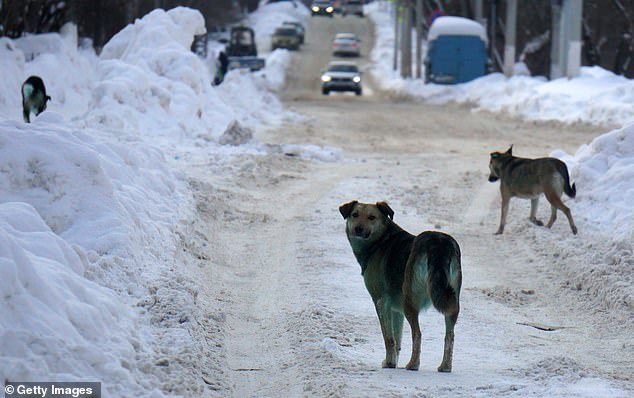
(404, 275)
(529, 178)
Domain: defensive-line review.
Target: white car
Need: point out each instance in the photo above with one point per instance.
(347, 44)
(341, 76)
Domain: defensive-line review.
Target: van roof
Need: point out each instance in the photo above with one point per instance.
(456, 26)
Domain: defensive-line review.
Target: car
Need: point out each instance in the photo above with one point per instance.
(346, 44)
(286, 36)
(300, 29)
(354, 7)
(341, 76)
(322, 7)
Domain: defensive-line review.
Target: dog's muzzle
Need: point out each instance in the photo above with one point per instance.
(493, 178)
(361, 232)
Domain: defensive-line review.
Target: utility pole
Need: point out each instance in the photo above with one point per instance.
(419, 37)
(509, 42)
(566, 41)
(406, 41)
(397, 24)
(575, 11)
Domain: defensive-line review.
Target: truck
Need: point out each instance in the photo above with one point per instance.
(242, 51)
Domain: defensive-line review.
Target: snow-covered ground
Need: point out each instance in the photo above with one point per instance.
(94, 203)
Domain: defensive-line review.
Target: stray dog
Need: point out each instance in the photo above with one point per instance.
(34, 97)
(528, 178)
(404, 274)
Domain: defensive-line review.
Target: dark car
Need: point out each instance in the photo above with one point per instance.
(300, 29)
(322, 7)
(286, 36)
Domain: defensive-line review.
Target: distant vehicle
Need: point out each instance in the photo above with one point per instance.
(242, 51)
(280, 1)
(286, 36)
(222, 36)
(456, 51)
(322, 7)
(300, 29)
(341, 76)
(354, 7)
(346, 44)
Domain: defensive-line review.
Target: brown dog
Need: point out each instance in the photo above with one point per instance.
(404, 274)
(529, 178)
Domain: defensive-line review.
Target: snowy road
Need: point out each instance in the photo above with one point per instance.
(281, 295)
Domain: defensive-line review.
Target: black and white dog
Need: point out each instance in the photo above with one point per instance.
(34, 97)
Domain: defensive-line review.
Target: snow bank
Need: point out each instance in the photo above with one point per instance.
(80, 218)
(604, 174)
(149, 81)
(55, 324)
(596, 96)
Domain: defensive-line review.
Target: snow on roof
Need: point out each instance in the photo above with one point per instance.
(455, 26)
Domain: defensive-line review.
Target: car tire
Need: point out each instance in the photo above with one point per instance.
(358, 92)
(325, 91)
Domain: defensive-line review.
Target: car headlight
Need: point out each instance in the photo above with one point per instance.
(326, 78)
(316, 9)
(356, 79)
(329, 9)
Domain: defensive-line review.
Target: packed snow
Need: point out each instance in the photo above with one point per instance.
(93, 200)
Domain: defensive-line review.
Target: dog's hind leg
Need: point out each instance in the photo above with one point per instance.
(447, 359)
(411, 314)
(556, 203)
(533, 217)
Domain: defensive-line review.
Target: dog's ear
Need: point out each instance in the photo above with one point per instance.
(495, 155)
(510, 151)
(346, 209)
(385, 209)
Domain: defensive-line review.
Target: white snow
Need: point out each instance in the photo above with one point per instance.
(92, 200)
(455, 26)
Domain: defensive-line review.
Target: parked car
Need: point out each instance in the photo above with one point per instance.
(341, 76)
(322, 7)
(286, 36)
(353, 7)
(346, 44)
(300, 29)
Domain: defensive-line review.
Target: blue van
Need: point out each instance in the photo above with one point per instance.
(456, 51)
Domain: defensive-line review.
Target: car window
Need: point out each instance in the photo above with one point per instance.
(286, 31)
(343, 68)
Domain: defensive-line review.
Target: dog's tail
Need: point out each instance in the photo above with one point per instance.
(570, 190)
(444, 276)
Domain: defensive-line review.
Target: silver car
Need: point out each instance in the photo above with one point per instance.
(347, 44)
(341, 76)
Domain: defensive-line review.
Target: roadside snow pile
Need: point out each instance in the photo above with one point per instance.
(596, 96)
(68, 72)
(80, 219)
(55, 324)
(604, 174)
(150, 83)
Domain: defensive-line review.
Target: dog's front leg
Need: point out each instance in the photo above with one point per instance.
(533, 217)
(506, 198)
(384, 311)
